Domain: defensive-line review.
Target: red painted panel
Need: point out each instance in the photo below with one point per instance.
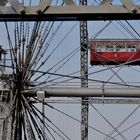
(114, 57)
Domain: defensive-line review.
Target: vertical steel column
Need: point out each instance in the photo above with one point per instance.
(43, 119)
(6, 128)
(84, 75)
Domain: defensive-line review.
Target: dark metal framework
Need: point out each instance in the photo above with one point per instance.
(84, 75)
(69, 12)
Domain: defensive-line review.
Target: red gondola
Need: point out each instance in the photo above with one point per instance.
(114, 52)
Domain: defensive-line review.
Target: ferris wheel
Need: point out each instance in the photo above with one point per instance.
(40, 64)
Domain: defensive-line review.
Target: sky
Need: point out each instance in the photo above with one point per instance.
(65, 41)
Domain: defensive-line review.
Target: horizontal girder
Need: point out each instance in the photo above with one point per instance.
(85, 92)
(69, 12)
(96, 101)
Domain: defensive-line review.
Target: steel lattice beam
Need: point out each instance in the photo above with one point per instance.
(115, 101)
(99, 100)
(70, 11)
(84, 74)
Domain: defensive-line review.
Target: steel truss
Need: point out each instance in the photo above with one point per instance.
(84, 74)
(98, 100)
(70, 11)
